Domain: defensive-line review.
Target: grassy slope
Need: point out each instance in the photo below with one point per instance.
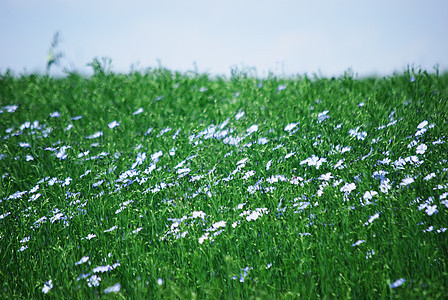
(321, 264)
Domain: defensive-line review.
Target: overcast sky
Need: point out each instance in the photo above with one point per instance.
(284, 37)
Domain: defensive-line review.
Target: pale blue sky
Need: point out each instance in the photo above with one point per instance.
(290, 37)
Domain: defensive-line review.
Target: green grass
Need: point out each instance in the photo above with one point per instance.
(179, 228)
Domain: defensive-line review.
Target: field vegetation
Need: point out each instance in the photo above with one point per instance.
(161, 184)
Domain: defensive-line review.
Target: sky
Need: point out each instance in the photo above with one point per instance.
(284, 37)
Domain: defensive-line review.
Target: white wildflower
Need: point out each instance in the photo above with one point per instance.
(430, 210)
(368, 195)
(314, 161)
(422, 124)
(326, 176)
(421, 149)
(94, 280)
(95, 135)
(348, 188)
(322, 116)
(248, 174)
(113, 289)
(48, 286)
(82, 260)
(291, 126)
(407, 181)
(358, 243)
(398, 282)
(289, 155)
(263, 141)
(219, 224)
(138, 111)
(239, 115)
(111, 229)
(429, 176)
(252, 129)
(385, 185)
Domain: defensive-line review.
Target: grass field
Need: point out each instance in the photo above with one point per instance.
(160, 184)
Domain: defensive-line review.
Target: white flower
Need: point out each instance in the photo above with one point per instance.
(268, 165)
(113, 289)
(241, 205)
(421, 131)
(358, 243)
(163, 131)
(183, 171)
(102, 269)
(263, 141)
(155, 156)
(385, 185)
(422, 124)
(281, 87)
(421, 149)
(339, 165)
(412, 144)
(242, 161)
(314, 161)
(113, 124)
(94, 281)
(358, 135)
(372, 218)
(430, 176)
(430, 210)
(48, 286)
(407, 181)
(322, 116)
(89, 236)
(326, 176)
(203, 238)
(160, 281)
(137, 230)
(95, 135)
(252, 129)
(24, 240)
(239, 115)
(98, 183)
(369, 195)
(249, 174)
(276, 178)
(398, 282)
(198, 214)
(430, 228)
(138, 111)
(61, 154)
(291, 126)
(253, 216)
(289, 155)
(82, 260)
(10, 108)
(219, 224)
(348, 188)
(111, 229)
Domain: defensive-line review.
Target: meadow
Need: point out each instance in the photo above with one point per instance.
(161, 184)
